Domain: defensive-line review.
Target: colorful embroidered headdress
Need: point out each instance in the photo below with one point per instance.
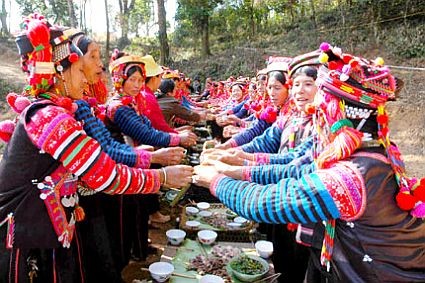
(45, 51)
(363, 87)
(120, 65)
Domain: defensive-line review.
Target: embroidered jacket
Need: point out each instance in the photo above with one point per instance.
(50, 151)
(375, 241)
(128, 121)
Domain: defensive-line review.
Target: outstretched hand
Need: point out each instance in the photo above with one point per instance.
(178, 176)
(204, 174)
(168, 156)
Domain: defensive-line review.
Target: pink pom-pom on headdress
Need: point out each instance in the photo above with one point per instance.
(17, 102)
(6, 130)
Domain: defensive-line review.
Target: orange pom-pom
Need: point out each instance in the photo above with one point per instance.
(405, 201)
(79, 213)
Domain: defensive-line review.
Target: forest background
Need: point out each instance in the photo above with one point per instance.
(222, 38)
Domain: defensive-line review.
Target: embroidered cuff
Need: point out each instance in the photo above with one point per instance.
(174, 139)
(214, 183)
(144, 158)
(246, 173)
(262, 158)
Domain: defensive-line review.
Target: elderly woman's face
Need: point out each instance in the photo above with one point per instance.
(133, 84)
(75, 80)
(92, 63)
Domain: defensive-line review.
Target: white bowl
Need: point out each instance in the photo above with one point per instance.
(190, 210)
(175, 236)
(264, 248)
(205, 213)
(211, 279)
(234, 225)
(207, 237)
(161, 271)
(203, 205)
(240, 220)
(192, 223)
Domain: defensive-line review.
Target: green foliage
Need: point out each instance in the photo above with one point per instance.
(144, 45)
(140, 15)
(55, 10)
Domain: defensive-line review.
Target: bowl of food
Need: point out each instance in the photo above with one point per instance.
(161, 271)
(175, 236)
(203, 205)
(247, 268)
(240, 220)
(191, 210)
(205, 213)
(264, 248)
(209, 278)
(207, 237)
(193, 224)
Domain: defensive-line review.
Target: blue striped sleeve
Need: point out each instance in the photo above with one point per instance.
(289, 156)
(138, 128)
(121, 153)
(268, 142)
(249, 134)
(290, 200)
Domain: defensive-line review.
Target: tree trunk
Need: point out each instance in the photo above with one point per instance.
(205, 38)
(252, 19)
(3, 19)
(162, 33)
(107, 28)
(71, 13)
(125, 9)
(313, 13)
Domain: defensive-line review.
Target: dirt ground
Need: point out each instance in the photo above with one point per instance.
(407, 125)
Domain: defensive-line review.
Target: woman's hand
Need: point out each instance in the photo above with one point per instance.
(177, 176)
(204, 174)
(225, 156)
(168, 156)
(187, 138)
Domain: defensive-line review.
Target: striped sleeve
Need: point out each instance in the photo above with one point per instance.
(57, 133)
(285, 157)
(121, 153)
(134, 126)
(268, 142)
(302, 200)
(249, 134)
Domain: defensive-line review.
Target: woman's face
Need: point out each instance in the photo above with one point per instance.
(303, 91)
(133, 84)
(92, 63)
(261, 84)
(237, 93)
(277, 92)
(75, 80)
